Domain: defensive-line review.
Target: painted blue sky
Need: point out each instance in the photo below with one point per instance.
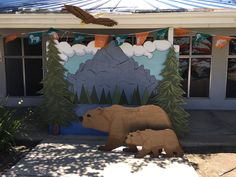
(114, 5)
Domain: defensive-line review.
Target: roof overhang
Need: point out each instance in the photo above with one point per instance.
(219, 19)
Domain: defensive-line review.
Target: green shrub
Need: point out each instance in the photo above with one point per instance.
(9, 127)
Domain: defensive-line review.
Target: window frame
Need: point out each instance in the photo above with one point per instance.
(189, 57)
(228, 57)
(23, 58)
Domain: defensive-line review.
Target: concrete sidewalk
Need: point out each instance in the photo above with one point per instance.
(78, 156)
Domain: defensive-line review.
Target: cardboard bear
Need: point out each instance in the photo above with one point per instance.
(118, 121)
(153, 141)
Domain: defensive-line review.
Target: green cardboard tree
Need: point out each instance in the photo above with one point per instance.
(123, 98)
(136, 100)
(94, 96)
(109, 99)
(116, 95)
(84, 99)
(103, 97)
(145, 97)
(170, 94)
(57, 107)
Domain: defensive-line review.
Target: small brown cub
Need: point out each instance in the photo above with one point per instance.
(152, 141)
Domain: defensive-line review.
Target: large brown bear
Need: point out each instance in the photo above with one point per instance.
(152, 141)
(119, 121)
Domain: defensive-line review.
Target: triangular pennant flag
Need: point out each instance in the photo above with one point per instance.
(141, 37)
(34, 38)
(222, 41)
(162, 34)
(101, 40)
(120, 39)
(78, 38)
(11, 37)
(52, 30)
(199, 37)
(54, 33)
(181, 31)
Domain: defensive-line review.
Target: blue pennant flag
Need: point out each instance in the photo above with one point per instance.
(78, 38)
(34, 38)
(120, 39)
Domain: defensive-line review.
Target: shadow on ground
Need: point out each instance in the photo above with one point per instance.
(62, 156)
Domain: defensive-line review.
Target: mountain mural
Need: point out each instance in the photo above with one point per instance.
(111, 68)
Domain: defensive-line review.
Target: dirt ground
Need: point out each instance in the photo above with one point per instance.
(214, 165)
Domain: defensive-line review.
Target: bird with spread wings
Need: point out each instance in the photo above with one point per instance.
(88, 18)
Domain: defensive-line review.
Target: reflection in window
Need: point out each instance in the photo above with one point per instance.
(232, 47)
(202, 47)
(184, 64)
(13, 48)
(33, 76)
(184, 43)
(200, 77)
(14, 77)
(231, 78)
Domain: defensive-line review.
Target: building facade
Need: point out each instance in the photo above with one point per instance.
(209, 73)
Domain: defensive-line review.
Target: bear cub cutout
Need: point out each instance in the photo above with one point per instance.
(153, 141)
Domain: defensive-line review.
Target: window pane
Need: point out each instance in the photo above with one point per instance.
(184, 43)
(203, 47)
(13, 48)
(14, 77)
(200, 77)
(33, 76)
(232, 47)
(231, 79)
(32, 50)
(184, 64)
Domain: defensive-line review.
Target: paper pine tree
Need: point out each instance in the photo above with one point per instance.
(170, 94)
(145, 97)
(109, 99)
(136, 97)
(123, 99)
(94, 96)
(116, 96)
(57, 107)
(103, 97)
(84, 99)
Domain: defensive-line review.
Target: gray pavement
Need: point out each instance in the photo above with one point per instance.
(78, 156)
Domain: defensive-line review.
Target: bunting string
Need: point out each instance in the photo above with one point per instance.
(102, 39)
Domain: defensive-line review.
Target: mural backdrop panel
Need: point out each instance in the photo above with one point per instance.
(126, 74)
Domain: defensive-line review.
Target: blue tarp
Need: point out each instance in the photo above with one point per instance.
(113, 5)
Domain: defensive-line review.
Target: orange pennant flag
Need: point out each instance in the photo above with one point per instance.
(222, 41)
(141, 37)
(181, 31)
(11, 37)
(101, 40)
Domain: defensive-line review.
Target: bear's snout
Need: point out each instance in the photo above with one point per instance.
(88, 115)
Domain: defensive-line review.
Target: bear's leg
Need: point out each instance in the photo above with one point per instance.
(156, 152)
(179, 152)
(130, 148)
(112, 143)
(142, 153)
(169, 152)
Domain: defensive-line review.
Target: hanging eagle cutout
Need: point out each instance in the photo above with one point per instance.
(88, 18)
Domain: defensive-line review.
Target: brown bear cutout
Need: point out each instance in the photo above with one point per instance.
(118, 121)
(153, 141)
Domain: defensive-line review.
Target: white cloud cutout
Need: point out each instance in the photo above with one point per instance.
(67, 51)
(146, 49)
